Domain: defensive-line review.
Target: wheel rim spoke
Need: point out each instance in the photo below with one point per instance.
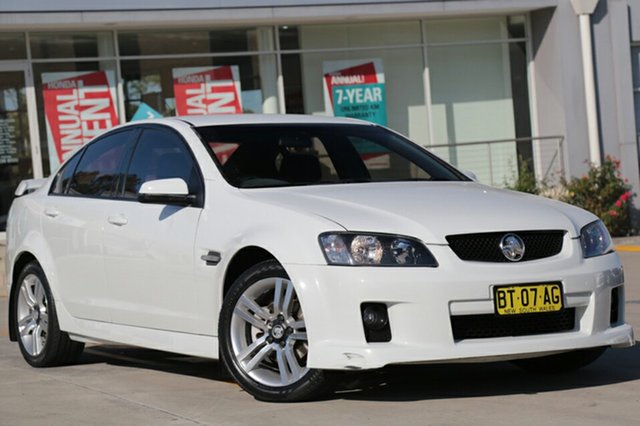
(298, 335)
(37, 344)
(27, 342)
(255, 308)
(292, 361)
(253, 362)
(297, 324)
(250, 319)
(22, 323)
(25, 289)
(251, 348)
(28, 328)
(288, 295)
(39, 293)
(277, 296)
(282, 366)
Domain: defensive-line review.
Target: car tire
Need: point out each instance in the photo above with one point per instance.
(35, 322)
(559, 363)
(263, 340)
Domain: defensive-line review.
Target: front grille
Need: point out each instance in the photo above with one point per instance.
(489, 325)
(485, 247)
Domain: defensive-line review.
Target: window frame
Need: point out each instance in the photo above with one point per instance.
(122, 179)
(82, 152)
(123, 169)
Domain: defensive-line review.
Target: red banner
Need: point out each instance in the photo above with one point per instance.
(359, 74)
(207, 90)
(77, 106)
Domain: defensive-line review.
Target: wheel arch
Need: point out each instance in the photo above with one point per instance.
(242, 260)
(22, 260)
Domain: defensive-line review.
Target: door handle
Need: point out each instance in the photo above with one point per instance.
(118, 220)
(51, 212)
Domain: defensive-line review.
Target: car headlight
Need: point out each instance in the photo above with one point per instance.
(347, 248)
(595, 240)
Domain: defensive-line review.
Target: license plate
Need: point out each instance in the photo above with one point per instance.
(527, 299)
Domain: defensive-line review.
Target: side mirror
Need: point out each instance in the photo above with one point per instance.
(28, 186)
(470, 175)
(166, 191)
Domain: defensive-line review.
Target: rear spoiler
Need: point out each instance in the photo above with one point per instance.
(28, 186)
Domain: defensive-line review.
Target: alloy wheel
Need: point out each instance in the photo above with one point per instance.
(32, 315)
(268, 334)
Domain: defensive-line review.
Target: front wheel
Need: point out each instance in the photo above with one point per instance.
(560, 363)
(263, 337)
(41, 342)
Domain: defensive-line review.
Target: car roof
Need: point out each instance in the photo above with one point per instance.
(226, 119)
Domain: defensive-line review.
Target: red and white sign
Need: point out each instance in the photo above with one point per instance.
(207, 90)
(223, 150)
(77, 106)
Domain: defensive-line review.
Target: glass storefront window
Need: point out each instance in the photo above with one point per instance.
(465, 30)
(336, 36)
(476, 68)
(403, 100)
(80, 115)
(380, 85)
(151, 83)
(162, 42)
(479, 93)
(15, 150)
(71, 45)
(13, 46)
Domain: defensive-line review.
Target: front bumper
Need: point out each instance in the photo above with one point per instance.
(420, 302)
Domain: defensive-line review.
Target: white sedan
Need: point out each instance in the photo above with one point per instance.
(291, 246)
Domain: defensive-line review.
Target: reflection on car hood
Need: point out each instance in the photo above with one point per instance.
(427, 210)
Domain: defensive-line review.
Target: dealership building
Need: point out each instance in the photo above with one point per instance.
(489, 85)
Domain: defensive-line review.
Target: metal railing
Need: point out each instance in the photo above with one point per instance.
(495, 162)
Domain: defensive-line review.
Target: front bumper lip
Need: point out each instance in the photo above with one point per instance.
(420, 302)
(482, 350)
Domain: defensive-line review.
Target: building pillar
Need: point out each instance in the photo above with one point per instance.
(268, 71)
(584, 9)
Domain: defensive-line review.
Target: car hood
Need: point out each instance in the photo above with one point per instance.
(427, 210)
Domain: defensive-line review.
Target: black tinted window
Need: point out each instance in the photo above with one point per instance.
(97, 173)
(61, 181)
(319, 154)
(160, 155)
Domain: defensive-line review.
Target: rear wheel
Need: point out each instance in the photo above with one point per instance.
(41, 342)
(564, 362)
(263, 337)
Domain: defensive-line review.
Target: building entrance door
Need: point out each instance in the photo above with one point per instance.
(19, 141)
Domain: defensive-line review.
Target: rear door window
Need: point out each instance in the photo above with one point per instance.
(99, 168)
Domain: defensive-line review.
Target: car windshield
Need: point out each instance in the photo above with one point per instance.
(270, 155)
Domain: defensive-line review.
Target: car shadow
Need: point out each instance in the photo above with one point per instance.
(134, 357)
(446, 381)
(404, 382)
